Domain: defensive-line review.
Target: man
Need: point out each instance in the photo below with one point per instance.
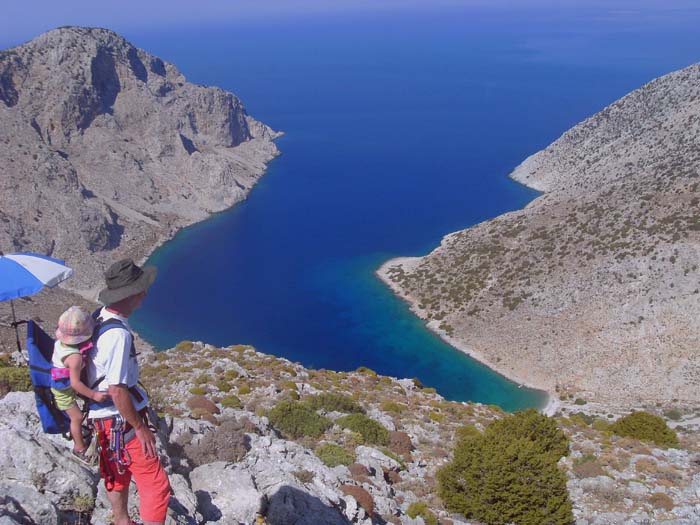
(128, 447)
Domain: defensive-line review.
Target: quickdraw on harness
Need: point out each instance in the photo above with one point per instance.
(112, 435)
(112, 445)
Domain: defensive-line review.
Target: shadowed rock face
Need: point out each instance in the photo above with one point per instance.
(107, 150)
(594, 287)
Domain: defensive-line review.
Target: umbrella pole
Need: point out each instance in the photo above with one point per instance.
(14, 323)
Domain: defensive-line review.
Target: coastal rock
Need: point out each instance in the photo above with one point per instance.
(591, 290)
(89, 122)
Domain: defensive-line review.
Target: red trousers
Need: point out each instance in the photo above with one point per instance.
(148, 473)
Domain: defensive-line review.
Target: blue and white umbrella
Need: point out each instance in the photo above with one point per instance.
(23, 274)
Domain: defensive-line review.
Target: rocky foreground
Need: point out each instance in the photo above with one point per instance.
(594, 288)
(107, 150)
(229, 464)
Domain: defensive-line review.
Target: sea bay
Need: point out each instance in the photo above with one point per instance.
(399, 129)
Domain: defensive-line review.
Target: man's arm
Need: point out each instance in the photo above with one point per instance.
(122, 400)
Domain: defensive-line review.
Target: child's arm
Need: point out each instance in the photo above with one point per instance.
(74, 362)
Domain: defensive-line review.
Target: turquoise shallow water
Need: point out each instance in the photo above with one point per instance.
(399, 130)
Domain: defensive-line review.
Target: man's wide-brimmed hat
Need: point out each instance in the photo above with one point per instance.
(124, 279)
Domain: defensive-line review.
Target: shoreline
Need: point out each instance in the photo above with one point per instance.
(90, 294)
(552, 401)
(519, 176)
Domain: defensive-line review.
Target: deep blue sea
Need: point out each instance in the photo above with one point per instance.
(399, 128)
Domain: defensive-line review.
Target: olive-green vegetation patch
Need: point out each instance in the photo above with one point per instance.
(371, 431)
(15, 379)
(334, 455)
(295, 419)
(509, 474)
(334, 403)
(419, 508)
(645, 427)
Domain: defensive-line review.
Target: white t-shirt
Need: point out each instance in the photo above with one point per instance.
(113, 359)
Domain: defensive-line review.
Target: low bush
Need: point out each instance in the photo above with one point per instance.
(203, 403)
(362, 497)
(223, 386)
(197, 391)
(659, 500)
(371, 431)
(230, 375)
(14, 379)
(579, 401)
(509, 473)
(392, 406)
(334, 455)
(466, 432)
(295, 419)
(227, 442)
(419, 508)
(243, 390)
(587, 467)
(231, 401)
(334, 403)
(184, 346)
(366, 371)
(400, 442)
(202, 379)
(437, 417)
(645, 427)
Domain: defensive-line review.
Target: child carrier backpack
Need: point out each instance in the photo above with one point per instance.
(40, 349)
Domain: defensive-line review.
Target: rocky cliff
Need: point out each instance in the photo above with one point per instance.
(231, 459)
(594, 288)
(106, 150)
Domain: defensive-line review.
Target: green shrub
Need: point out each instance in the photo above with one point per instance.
(418, 508)
(244, 389)
(334, 403)
(645, 427)
(295, 419)
(601, 425)
(231, 401)
(184, 346)
(230, 375)
(15, 379)
(392, 406)
(509, 474)
(197, 391)
(579, 401)
(466, 432)
(370, 430)
(223, 386)
(334, 455)
(437, 417)
(366, 371)
(202, 379)
(582, 419)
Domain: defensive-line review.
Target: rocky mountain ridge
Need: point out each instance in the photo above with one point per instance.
(593, 288)
(107, 150)
(229, 462)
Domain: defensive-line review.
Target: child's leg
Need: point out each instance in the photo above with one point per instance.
(76, 431)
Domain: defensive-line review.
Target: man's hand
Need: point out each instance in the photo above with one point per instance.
(100, 397)
(147, 439)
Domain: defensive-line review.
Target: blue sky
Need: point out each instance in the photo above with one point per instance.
(24, 19)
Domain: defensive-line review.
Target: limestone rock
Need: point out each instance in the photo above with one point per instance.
(111, 149)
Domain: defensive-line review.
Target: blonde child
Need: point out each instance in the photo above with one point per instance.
(73, 339)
